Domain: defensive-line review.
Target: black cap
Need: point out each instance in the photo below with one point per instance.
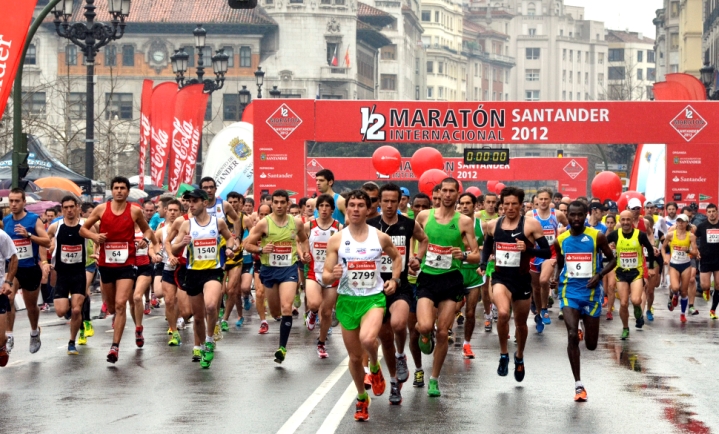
(596, 205)
(198, 193)
(694, 206)
(611, 205)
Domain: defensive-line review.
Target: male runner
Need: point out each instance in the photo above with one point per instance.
(321, 296)
(294, 210)
(542, 270)
(143, 278)
(28, 234)
(204, 236)
(437, 196)
(279, 234)
(404, 207)
(579, 275)
(216, 206)
(239, 273)
(393, 335)
(169, 262)
(707, 235)
(512, 239)
(354, 256)
(490, 207)
(325, 179)
(262, 212)
(68, 257)
(8, 254)
(249, 206)
(630, 245)
(372, 191)
(440, 284)
(87, 330)
(116, 242)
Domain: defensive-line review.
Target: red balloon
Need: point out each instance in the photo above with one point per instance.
(386, 160)
(425, 159)
(475, 191)
(429, 179)
(624, 198)
(499, 187)
(491, 185)
(607, 185)
(248, 115)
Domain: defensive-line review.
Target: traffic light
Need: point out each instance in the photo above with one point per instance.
(560, 153)
(242, 4)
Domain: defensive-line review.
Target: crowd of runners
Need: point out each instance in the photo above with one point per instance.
(396, 272)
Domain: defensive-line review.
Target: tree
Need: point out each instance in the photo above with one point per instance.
(623, 82)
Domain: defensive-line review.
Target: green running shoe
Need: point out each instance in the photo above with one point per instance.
(210, 350)
(175, 340)
(625, 334)
(298, 301)
(222, 312)
(637, 312)
(426, 344)
(224, 326)
(205, 361)
(280, 355)
(433, 389)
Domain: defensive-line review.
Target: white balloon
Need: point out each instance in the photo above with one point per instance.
(229, 159)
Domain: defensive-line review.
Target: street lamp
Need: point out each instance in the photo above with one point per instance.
(260, 78)
(90, 37)
(275, 93)
(181, 59)
(245, 98)
(707, 75)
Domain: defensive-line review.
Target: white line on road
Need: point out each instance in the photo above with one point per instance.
(329, 426)
(311, 402)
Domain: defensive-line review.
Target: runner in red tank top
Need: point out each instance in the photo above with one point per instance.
(143, 269)
(116, 240)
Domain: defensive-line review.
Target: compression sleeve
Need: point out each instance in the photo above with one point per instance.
(487, 250)
(543, 252)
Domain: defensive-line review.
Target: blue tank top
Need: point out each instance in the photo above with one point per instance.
(246, 256)
(336, 214)
(27, 251)
(580, 264)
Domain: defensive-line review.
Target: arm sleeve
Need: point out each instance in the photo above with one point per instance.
(487, 250)
(644, 241)
(544, 251)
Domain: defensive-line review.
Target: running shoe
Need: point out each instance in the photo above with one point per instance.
(609, 315)
(418, 378)
(433, 388)
(640, 323)
(675, 300)
(533, 307)
(539, 324)
(693, 311)
(206, 359)
(550, 301)
(35, 341)
(378, 382)
(264, 328)
(450, 337)
(10, 344)
(362, 410)
(503, 368)
(518, 368)
(580, 333)
(650, 315)
(169, 331)
(209, 354)
(297, 302)
(240, 322)
(147, 308)
(311, 320)
(217, 335)
(175, 340)
(321, 352)
(221, 313)
(335, 321)
(4, 357)
(712, 314)
(114, 354)
(367, 382)
(706, 294)
(247, 303)
(181, 324)
(402, 369)
(494, 312)
(488, 323)
(545, 317)
(426, 343)
(683, 318)
(460, 318)
(196, 354)
(560, 316)
(103, 312)
(625, 334)
(82, 340)
(155, 304)
(467, 351)
(224, 326)
(139, 339)
(395, 398)
(72, 349)
(89, 330)
(45, 308)
(580, 395)
(280, 355)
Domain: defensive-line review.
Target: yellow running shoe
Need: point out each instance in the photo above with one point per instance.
(89, 330)
(175, 340)
(82, 340)
(169, 332)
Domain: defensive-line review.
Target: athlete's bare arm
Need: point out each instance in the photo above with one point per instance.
(667, 239)
(466, 227)
(256, 234)
(332, 271)
(422, 217)
(533, 229)
(562, 218)
(41, 238)
(225, 232)
(172, 232)
(603, 246)
(183, 238)
(419, 236)
(95, 216)
(303, 244)
(693, 245)
(388, 247)
(144, 227)
(232, 214)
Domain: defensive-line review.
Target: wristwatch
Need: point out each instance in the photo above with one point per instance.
(397, 281)
(464, 256)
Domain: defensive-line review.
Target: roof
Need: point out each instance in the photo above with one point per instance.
(373, 15)
(627, 37)
(371, 35)
(482, 30)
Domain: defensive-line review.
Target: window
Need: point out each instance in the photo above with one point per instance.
(640, 74)
(440, 67)
(486, 95)
(71, 55)
(332, 51)
(650, 57)
(561, 32)
(326, 2)
(617, 73)
(570, 96)
(674, 9)
(111, 55)
(564, 95)
(426, 16)
(600, 58)
(208, 109)
(128, 55)
(430, 67)
(76, 105)
(586, 78)
(269, 2)
(531, 9)
(388, 52)
(640, 56)
(531, 74)
(531, 95)
(476, 94)
(231, 107)
(245, 57)
(600, 79)
(531, 53)
(564, 75)
(651, 74)
(230, 56)
(495, 75)
(118, 105)
(339, 2)
(579, 96)
(389, 81)
(207, 57)
(532, 32)
(674, 68)
(436, 16)
(296, 1)
(506, 76)
(31, 55)
(586, 96)
(191, 56)
(430, 92)
(441, 91)
(476, 69)
(674, 41)
(586, 57)
(579, 57)
(571, 74)
(33, 103)
(616, 54)
(571, 55)
(564, 54)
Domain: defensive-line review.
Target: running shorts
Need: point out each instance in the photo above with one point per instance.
(271, 276)
(627, 275)
(471, 278)
(405, 293)
(441, 287)
(519, 285)
(350, 309)
(110, 275)
(195, 280)
(72, 284)
(145, 270)
(29, 277)
(583, 305)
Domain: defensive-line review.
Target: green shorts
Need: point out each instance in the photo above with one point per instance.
(471, 278)
(350, 309)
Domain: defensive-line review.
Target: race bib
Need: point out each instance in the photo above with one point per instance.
(679, 255)
(508, 255)
(71, 254)
(549, 234)
(386, 261)
(439, 257)
(319, 251)
(281, 256)
(579, 265)
(204, 249)
(362, 274)
(712, 236)
(116, 253)
(628, 260)
(24, 248)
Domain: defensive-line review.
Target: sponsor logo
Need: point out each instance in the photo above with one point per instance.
(573, 169)
(313, 167)
(284, 121)
(687, 160)
(690, 196)
(704, 197)
(264, 175)
(586, 238)
(686, 179)
(240, 149)
(273, 157)
(688, 123)
(677, 196)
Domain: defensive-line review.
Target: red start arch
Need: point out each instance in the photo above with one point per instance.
(690, 129)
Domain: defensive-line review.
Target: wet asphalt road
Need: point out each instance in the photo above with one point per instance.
(662, 380)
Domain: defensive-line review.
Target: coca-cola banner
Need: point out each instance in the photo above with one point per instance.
(185, 132)
(13, 32)
(162, 115)
(200, 106)
(145, 128)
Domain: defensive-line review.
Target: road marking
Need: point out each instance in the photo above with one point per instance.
(15, 363)
(311, 402)
(333, 420)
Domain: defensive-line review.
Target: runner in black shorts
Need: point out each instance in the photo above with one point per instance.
(263, 211)
(512, 239)
(707, 234)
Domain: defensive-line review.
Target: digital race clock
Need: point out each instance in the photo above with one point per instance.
(486, 156)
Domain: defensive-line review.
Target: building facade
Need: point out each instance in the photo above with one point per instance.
(710, 38)
(632, 66)
(678, 43)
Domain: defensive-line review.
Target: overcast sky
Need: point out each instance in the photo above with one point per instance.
(635, 15)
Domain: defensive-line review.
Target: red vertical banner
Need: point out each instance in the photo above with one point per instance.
(145, 128)
(162, 115)
(183, 132)
(198, 121)
(692, 175)
(14, 25)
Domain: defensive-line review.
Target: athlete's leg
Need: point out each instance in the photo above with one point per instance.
(142, 284)
(471, 313)
(76, 317)
(212, 294)
(233, 292)
(414, 341)
(313, 293)
(123, 292)
(591, 331)
(33, 311)
(62, 305)
(547, 273)
(637, 289)
(170, 292)
(198, 311)
(692, 285)
(610, 287)
(445, 317)
(425, 316)
(399, 311)
(386, 338)
(571, 320)
(520, 309)
(353, 344)
(259, 296)
(368, 332)
(715, 297)
(329, 299)
(108, 295)
(245, 290)
(623, 289)
(502, 300)
(487, 298)
(685, 286)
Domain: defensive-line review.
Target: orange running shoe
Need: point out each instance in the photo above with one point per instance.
(467, 351)
(580, 394)
(378, 383)
(581, 335)
(362, 410)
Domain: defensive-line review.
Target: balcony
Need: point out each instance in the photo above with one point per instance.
(334, 73)
(501, 59)
(711, 19)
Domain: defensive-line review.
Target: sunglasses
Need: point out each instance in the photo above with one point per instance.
(636, 208)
